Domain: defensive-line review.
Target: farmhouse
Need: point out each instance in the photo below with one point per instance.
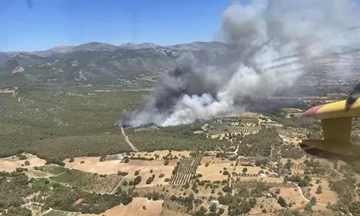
(79, 201)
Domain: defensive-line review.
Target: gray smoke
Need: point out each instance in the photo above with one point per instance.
(276, 39)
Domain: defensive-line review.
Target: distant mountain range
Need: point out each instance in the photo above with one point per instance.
(101, 62)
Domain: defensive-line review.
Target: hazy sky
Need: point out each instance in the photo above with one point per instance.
(52, 23)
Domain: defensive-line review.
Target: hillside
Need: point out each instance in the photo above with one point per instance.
(100, 62)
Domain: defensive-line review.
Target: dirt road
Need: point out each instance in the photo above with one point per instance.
(128, 141)
(301, 193)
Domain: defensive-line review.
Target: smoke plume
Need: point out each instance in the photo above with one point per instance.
(276, 40)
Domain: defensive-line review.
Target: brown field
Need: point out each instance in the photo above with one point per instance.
(326, 196)
(10, 164)
(250, 170)
(212, 171)
(292, 195)
(135, 208)
(213, 160)
(93, 165)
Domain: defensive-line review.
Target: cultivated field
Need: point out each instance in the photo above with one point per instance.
(186, 169)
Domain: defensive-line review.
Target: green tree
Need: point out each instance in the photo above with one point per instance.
(354, 208)
(213, 207)
(282, 202)
(137, 180)
(127, 200)
(319, 190)
(308, 207)
(313, 200)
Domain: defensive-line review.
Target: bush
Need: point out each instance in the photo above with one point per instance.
(127, 200)
(227, 189)
(166, 162)
(71, 160)
(161, 175)
(149, 180)
(319, 190)
(22, 157)
(27, 163)
(137, 180)
(282, 202)
(313, 200)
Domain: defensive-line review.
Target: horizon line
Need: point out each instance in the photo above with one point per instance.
(75, 45)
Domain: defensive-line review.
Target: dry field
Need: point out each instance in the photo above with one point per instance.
(93, 165)
(292, 195)
(212, 172)
(326, 196)
(10, 164)
(135, 208)
(213, 160)
(250, 170)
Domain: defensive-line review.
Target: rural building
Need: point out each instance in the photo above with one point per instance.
(79, 201)
(262, 175)
(245, 163)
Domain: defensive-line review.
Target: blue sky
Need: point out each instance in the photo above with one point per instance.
(52, 23)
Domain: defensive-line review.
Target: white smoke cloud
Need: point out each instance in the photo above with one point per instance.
(264, 32)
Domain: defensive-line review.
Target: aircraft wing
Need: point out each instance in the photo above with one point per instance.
(336, 128)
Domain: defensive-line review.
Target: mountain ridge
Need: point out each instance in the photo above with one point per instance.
(104, 47)
(94, 62)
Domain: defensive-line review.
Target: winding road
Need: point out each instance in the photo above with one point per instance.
(301, 193)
